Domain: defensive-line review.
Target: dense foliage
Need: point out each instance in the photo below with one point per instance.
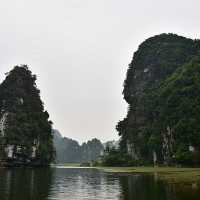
(162, 90)
(179, 107)
(114, 157)
(27, 123)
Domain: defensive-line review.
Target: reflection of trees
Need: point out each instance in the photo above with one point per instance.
(143, 187)
(138, 187)
(25, 184)
(183, 191)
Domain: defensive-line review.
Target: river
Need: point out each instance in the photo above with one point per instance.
(90, 184)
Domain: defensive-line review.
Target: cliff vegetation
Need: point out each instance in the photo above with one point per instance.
(162, 89)
(25, 129)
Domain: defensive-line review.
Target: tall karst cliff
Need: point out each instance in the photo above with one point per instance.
(159, 70)
(25, 130)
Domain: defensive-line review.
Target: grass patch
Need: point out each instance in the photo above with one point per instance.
(170, 174)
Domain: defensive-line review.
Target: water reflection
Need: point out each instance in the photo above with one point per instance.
(143, 188)
(25, 184)
(147, 187)
(84, 184)
(88, 184)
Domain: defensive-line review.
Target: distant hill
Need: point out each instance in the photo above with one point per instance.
(69, 150)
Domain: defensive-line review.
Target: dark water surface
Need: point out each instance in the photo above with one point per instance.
(90, 184)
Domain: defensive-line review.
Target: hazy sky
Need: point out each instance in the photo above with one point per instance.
(80, 50)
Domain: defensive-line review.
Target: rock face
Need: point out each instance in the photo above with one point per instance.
(25, 131)
(146, 133)
(3, 123)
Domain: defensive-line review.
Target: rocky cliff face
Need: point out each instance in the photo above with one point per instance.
(156, 60)
(25, 129)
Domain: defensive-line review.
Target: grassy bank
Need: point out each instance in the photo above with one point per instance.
(170, 174)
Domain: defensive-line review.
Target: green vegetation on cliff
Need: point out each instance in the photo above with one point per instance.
(25, 129)
(162, 91)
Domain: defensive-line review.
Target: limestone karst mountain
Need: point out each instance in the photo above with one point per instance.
(25, 129)
(162, 89)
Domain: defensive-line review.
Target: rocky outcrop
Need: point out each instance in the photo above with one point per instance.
(25, 131)
(143, 135)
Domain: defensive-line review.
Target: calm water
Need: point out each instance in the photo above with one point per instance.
(78, 184)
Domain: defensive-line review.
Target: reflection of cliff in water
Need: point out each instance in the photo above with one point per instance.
(145, 187)
(25, 184)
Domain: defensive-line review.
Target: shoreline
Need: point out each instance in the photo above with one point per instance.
(172, 175)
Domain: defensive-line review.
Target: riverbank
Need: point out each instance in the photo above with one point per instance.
(170, 174)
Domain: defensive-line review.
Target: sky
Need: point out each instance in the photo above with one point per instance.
(80, 51)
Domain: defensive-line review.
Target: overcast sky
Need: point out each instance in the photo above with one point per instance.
(80, 50)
